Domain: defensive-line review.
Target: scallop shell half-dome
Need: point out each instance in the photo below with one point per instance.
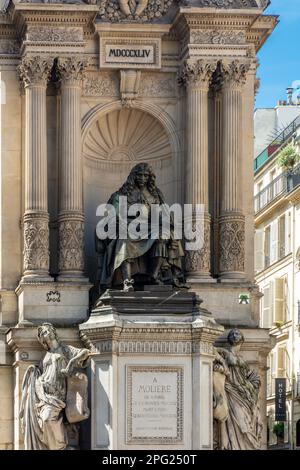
(125, 137)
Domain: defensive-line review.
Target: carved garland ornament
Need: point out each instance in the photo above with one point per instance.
(124, 10)
(232, 244)
(51, 34)
(36, 244)
(227, 3)
(218, 37)
(71, 245)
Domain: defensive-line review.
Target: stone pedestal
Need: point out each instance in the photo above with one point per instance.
(151, 378)
(58, 302)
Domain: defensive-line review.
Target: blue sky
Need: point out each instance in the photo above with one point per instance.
(280, 57)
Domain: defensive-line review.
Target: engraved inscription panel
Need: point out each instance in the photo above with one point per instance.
(133, 53)
(154, 405)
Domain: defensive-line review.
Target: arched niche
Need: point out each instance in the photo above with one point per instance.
(114, 139)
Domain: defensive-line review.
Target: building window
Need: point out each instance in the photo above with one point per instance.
(267, 246)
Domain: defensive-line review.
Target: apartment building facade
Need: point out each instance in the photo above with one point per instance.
(277, 266)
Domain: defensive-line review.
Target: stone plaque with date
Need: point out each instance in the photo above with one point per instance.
(154, 405)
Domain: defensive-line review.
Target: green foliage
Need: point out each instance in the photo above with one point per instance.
(278, 429)
(288, 157)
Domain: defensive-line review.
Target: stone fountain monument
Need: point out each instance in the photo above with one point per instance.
(89, 90)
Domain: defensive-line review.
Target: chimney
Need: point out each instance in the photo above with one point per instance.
(289, 93)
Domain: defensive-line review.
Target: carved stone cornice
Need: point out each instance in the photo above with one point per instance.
(35, 70)
(71, 69)
(234, 72)
(197, 73)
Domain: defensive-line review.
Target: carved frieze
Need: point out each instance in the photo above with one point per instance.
(36, 243)
(132, 10)
(157, 85)
(213, 36)
(232, 243)
(228, 3)
(197, 73)
(54, 34)
(35, 69)
(104, 84)
(71, 245)
(9, 46)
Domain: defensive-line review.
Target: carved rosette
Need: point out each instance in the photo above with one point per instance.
(71, 70)
(71, 245)
(234, 73)
(197, 74)
(232, 243)
(35, 70)
(36, 243)
(197, 262)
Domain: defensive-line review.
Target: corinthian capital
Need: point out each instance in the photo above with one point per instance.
(35, 70)
(71, 68)
(234, 72)
(197, 73)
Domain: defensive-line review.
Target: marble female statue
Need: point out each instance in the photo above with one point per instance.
(236, 390)
(54, 395)
(155, 261)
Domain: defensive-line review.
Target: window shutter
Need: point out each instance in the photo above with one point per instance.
(274, 242)
(259, 250)
(288, 228)
(281, 362)
(279, 303)
(267, 319)
(282, 237)
(267, 245)
(273, 369)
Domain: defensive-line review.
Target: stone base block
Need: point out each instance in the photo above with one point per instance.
(59, 303)
(151, 374)
(225, 305)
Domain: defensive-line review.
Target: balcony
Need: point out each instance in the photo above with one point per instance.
(283, 184)
(285, 135)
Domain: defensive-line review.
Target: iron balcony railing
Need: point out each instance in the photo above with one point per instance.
(276, 143)
(284, 183)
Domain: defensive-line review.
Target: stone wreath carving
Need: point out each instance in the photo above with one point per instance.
(141, 10)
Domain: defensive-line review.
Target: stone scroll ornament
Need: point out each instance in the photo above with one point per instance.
(132, 10)
(237, 423)
(54, 394)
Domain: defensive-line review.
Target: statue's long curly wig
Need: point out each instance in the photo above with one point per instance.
(130, 183)
(46, 326)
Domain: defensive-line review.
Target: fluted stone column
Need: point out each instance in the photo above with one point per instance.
(34, 72)
(232, 220)
(196, 77)
(71, 218)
